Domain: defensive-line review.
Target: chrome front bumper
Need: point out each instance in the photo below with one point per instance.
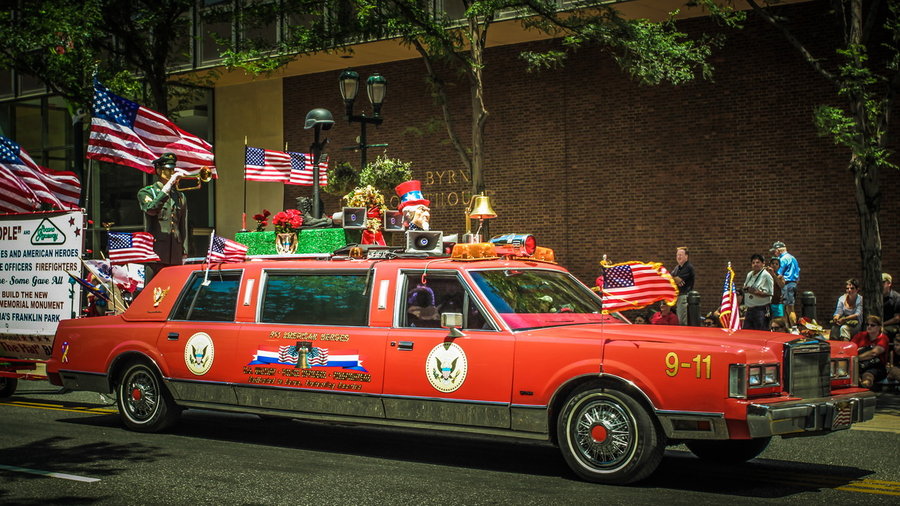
(810, 415)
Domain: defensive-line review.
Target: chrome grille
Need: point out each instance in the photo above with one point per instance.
(807, 368)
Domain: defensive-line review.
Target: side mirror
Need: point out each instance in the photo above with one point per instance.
(452, 321)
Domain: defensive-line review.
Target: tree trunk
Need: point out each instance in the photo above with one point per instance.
(868, 205)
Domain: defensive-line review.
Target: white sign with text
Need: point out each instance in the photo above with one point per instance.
(36, 252)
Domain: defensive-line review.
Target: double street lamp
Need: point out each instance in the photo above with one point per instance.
(376, 87)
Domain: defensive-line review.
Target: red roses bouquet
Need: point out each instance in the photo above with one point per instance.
(289, 220)
(262, 220)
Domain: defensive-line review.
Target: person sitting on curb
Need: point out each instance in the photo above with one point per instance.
(848, 312)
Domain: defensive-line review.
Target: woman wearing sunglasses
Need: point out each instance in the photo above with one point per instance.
(872, 343)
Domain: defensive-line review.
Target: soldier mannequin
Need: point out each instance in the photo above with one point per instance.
(166, 210)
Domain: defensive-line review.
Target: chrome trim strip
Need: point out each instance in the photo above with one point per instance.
(440, 399)
(711, 414)
(371, 421)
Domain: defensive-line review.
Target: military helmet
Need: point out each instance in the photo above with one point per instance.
(167, 160)
(319, 116)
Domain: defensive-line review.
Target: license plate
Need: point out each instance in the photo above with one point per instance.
(843, 416)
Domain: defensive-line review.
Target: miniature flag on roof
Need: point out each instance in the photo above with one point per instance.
(729, 310)
(267, 165)
(25, 185)
(134, 247)
(126, 133)
(633, 285)
(225, 250)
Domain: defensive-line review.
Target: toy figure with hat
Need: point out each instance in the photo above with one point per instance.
(413, 205)
(166, 210)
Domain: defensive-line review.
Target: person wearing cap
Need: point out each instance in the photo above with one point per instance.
(413, 205)
(166, 211)
(789, 274)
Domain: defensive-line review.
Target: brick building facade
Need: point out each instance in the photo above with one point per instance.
(593, 163)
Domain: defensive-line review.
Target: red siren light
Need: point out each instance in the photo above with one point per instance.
(514, 244)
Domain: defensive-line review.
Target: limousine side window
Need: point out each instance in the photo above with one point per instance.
(316, 299)
(425, 302)
(212, 302)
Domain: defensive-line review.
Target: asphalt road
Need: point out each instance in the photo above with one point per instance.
(220, 458)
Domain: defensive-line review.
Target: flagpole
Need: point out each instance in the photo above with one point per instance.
(244, 213)
(212, 237)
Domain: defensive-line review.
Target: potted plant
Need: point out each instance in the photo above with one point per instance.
(287, 223)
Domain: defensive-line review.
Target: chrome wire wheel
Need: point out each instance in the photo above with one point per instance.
(604, 433)
(140, 395)
(145, 405)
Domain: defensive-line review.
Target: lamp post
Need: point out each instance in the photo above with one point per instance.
(318, 119)
(376, 87)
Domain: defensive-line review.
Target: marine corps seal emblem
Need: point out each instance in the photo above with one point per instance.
(446, 367)
(198, 353)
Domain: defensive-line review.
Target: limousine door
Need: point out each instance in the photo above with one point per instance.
(432, 377)
(198, 341)
(311, 350)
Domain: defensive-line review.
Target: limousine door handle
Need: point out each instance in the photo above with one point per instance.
(173, 336)
(405, 346)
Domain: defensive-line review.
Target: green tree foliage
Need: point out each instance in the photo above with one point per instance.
(129, 45)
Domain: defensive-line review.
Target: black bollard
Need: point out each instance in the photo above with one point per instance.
(693, 303)
(808, 300)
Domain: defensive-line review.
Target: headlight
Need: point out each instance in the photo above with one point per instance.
(770, 375)
(840, 368)
(754, 379)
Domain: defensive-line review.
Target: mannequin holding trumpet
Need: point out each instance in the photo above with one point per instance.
(165, 207)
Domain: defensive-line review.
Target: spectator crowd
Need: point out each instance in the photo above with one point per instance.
(767, 302)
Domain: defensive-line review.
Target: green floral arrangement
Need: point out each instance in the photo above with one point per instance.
(385, 173)
(342, 178)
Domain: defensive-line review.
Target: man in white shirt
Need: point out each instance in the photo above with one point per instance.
(757, 289)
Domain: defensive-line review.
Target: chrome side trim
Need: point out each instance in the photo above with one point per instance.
(444, 427)
(494, 415)
(529, 418)
(83, 380)
(674, 423)
(286, 399)
(204, 391)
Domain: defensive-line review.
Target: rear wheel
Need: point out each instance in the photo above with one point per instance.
(734, 451)
(606, 436)
(8, 386)
(145, 405)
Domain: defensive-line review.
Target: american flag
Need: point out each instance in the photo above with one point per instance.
(125, 133)
(633, 285)
(729, 310)
(225, 250)
(302, 169)
(267, 165)
(24, 184)
(288, 354)
(134, 247)
(317, 356)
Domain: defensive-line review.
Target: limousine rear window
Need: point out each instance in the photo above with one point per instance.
(214, 301)
(316, 299)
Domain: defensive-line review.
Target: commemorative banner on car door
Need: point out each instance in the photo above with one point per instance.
(36, 252)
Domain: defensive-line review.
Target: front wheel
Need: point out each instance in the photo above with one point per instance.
(144, 403)
(734, 451)
(8, 386)
(606, 436)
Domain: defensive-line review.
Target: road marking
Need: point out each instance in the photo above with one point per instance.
(60, 407)
(50, 474)
(881, 422)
